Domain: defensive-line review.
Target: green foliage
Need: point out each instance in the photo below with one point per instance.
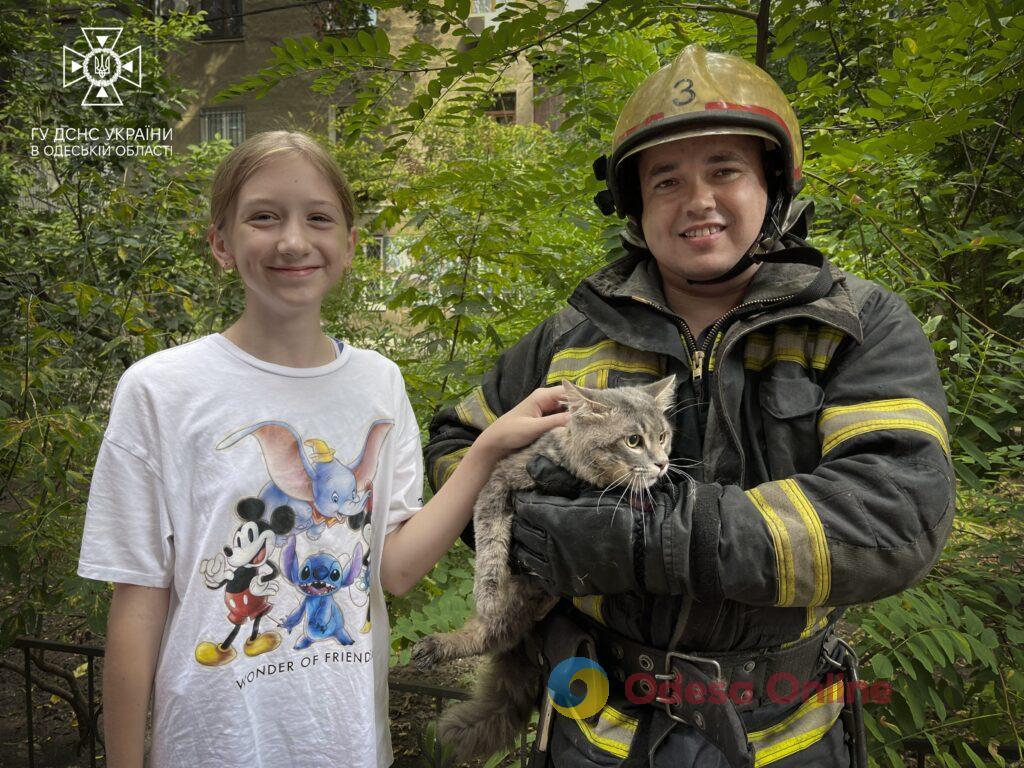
(952, 645)
(102, 264)
(434, 754)
(443, 601)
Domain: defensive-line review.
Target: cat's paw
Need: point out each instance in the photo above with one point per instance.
(427, 653)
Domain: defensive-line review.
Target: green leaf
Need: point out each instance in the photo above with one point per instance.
(881, 665)
(906, 664)
(382, 42)
(878, 96)
(975, 760)
(937, 703)
(931, 324)
(985, 427)
(367, 41)
(797, 67)
(973, 451)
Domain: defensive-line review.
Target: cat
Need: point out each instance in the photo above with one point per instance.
(615, 438)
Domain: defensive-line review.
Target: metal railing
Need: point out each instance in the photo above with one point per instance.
(440, 694)
(91, 653)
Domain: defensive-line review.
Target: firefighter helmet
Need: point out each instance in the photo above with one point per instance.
(703, 93)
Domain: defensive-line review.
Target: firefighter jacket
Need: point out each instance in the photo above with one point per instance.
(816, 435)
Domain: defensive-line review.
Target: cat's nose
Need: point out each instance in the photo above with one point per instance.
(662, 467)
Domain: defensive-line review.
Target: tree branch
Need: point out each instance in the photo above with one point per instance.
(763, 30)
(988, 159)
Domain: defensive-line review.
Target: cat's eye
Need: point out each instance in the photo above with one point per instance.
(663, 437)
(634, 441)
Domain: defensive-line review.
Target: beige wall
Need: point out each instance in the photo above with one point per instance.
(207, 67)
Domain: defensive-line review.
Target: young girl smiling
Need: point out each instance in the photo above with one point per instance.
(254, 492)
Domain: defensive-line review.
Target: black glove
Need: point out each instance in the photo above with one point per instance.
(581, 541)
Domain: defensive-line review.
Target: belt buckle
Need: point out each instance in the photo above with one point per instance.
(668, 674)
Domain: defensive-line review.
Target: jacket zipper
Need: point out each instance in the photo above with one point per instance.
(698, 355)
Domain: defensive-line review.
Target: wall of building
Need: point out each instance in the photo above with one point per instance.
(209, 66)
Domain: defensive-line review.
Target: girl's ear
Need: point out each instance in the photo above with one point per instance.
(353, 241)
(219, 248)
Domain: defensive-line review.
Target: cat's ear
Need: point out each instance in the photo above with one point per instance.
(663, 392)
(579, 401)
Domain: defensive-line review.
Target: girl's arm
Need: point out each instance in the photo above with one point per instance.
(135, 626)
(413, 549)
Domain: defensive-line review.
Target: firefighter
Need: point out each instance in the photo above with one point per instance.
(811, 437)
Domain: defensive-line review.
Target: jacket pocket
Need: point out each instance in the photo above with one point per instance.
(789, 416)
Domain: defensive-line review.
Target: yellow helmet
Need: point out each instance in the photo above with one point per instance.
(703, 93)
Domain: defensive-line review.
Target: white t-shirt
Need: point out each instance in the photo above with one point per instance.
(244, 486)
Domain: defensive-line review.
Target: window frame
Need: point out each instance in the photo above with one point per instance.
(226, 131)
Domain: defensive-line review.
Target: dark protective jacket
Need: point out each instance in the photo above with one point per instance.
(816, 434)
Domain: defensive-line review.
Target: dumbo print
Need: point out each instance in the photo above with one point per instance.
(319, 488)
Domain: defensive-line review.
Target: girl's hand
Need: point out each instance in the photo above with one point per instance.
(539, 412)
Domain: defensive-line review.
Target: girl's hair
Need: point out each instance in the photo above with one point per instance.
(255, 152)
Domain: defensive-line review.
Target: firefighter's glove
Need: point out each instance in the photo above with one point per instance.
(583, 541)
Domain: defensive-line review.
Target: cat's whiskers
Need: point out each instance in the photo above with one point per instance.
(635, 478)
(680, 408)
(681, 473)
(611, 485)
(685, 462)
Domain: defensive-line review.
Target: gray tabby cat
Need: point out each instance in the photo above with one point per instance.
(615, 438)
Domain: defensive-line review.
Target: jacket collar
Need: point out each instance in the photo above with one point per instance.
(636, 278)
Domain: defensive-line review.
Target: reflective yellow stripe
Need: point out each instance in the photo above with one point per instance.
(806, 726)
(817, 619)
(840, 423)
(781, 543)
(822, 561)
(711, 356)
(810, 346)
(474, 411)
(444, 466)
(589, 366)
(613, 732)
(803, 561)
(590, 605)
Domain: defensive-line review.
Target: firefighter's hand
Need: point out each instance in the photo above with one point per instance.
(582, 541)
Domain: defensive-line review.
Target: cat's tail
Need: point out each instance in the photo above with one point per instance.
(505, 694)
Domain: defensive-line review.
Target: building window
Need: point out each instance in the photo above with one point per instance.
(388, 258)
(502, 108)
(382, 250)
(343, 19)
(224, 18)
(228, 123)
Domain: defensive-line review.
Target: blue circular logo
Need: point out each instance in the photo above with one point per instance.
(574, 705)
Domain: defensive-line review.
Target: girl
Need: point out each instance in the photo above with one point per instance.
(256, 489)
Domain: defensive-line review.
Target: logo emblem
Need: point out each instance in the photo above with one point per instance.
(575, 705)
(102, 66)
